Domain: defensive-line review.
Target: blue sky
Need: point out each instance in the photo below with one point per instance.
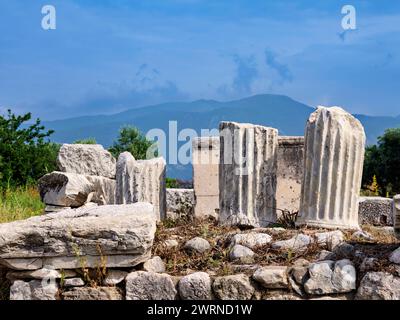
(107, 56)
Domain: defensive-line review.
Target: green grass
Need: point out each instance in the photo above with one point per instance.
(19, 203)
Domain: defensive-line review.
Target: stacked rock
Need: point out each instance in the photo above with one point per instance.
(86, 174)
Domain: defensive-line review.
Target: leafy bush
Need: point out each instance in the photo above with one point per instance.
(26, 153)
(383, 161)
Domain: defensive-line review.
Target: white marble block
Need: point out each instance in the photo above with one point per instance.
(141, 181)
(334, 157)
(205, 176)
(247, 174)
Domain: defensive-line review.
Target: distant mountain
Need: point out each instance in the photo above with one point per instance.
(281, 112)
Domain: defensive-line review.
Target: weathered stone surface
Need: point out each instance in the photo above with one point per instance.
(180, 203)
(103, 190)
(155, 264)
(205, 161)
(73, 282)
(395, 256)
(33, 290)
(344, 250)
(244, 268)
(44, 273)
(330, 239)
(241, 253)
(171, 243)
(376, 211)
(141, 181)
(51, 208)
(62, 189)
(326, 255)
(251, 240)
(247, 174)
(334, 155)
(368, 264)
(329, 277)
(144, 285)
(195, 286)
(289, 173)
(295, 286)
(123, 235)
(86, 159)
(299, 271)
(396, 215)
(297, 243)
(22, 263)
(234, 287)
(88, 293)
(379, 286)
(272, 277)
(362, 235)
(197, 244)
(280, 295)
(114, 277)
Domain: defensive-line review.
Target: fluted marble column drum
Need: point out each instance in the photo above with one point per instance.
(334, 157)
(247, 174)
(141, 181)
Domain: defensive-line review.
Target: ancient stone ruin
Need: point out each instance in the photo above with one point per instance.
(206, 176)
(334, 157)
(112, 230)
(141, 181)
(289, 173)
(247, 174)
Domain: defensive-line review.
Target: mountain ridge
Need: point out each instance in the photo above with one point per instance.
(279, 111)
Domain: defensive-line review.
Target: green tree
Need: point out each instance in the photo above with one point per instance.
(383, 160)
(132, 140)
(25, 150)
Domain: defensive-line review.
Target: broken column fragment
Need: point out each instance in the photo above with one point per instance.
(334, 156)
(141, 181)
(247, 174)
(63, 189)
